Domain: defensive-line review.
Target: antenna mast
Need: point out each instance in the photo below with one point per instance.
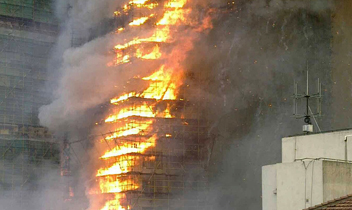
(308, 114)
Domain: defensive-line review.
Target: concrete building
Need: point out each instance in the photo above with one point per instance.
(343, 203)
(28, 32)
(315, 168)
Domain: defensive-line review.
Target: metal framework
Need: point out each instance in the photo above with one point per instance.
(28, 32)
(169, 175)
(25, 44)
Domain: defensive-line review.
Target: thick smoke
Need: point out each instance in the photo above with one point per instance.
(87, 13)
(83, 78)
(42, 179)
(252, 56)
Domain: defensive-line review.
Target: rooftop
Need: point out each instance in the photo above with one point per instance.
(343, 203)
(315, 133)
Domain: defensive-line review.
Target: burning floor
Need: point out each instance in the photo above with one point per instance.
(153, 142)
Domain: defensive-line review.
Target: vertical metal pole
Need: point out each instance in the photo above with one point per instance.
(307, 82)
(294, 98)
(307, 114)
(307, 95)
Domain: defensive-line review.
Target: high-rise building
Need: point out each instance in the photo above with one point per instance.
(28, 32)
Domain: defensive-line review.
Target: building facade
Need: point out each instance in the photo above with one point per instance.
(28, 32)
(315, 169)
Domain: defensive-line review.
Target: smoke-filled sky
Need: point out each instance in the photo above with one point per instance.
(256, 52)
(249, 60)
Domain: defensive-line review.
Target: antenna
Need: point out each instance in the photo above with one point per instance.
(307, 114)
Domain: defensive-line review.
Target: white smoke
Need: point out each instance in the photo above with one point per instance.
(83, 79)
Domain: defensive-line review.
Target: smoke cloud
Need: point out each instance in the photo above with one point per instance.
(43, 180)
(82, 77)
(252, 57)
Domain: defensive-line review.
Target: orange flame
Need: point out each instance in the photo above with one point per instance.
(161, 35)
(155, 54)
(138, 1)
(115, 204)
(123, 97)
(127, 130)
(173, 17)
(129, 147)
(175, 4)
(161, 88)
(139, 21)
(143, 110)
(163, 83)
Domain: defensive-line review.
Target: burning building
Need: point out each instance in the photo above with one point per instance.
(153, 142)
(153, 160)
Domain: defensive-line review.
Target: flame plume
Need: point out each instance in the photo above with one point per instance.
(137, 119)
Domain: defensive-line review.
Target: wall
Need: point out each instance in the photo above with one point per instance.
(299, 185)
(337, 179)
(324, 145)
(269, 187)
(312, 171)
(28, 33)
(37, 10)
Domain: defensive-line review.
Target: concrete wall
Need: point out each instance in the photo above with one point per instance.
(298, 185)
(324, 145)
(311, 172)
(337, 179)
(269, 187)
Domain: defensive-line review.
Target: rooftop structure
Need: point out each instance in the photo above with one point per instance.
(315, 169)
(343, 203)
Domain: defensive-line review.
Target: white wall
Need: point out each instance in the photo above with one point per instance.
(269, 187)
(325, 145)
(337, 179)
(299, 185)
(309, 173)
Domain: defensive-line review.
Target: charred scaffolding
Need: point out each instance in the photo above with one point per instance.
(154, 153)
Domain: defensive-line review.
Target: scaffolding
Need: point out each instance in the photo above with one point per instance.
(40, 11)
(23, 160)
(24, 164)
(28, 32)
(163, 144)
(25, 44)
(171, 172)
(153, 152)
